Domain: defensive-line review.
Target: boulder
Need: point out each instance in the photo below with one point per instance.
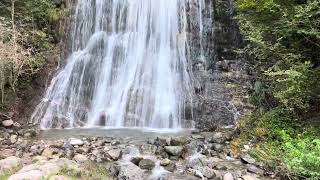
(115, 154)
(248, 177)
(59, 178)
(208, 172)
(171, 167)
(33, 174)
(136, 160)
(76, 142)
(174, 150)
(247, 159)
(178, 141)
(79, 158)
(130, 171)
(147, 164)
(219, 138)
(9, 163)
(7, 123)
(228, 176)
(217, 147)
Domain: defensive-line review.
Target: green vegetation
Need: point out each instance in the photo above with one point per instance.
(89, 170)
(283, 38)
(27, 38)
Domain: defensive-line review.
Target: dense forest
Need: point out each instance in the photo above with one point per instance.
(282, 40)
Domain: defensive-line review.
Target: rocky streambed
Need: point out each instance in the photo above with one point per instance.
(129, 154)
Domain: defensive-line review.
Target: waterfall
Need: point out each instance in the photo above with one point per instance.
(128, 67)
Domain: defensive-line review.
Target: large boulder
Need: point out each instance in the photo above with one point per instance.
(9, 163)
(147, 164)
(115, 154)
(174, 150)
(130, 171)
(32, 175)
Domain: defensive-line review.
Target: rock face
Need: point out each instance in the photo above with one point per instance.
(222, 79)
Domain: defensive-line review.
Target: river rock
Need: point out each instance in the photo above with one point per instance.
(208, 172)
(248, 159)
(13, 138)
(59, 178)
(136, 160)
(130, 171)
(171, 167)
(9, 163)
(217, 147)
(7, 123)
(165, 162)
(36, 149)
(79, 158)
(174, 150)
(160, 141)
(76, 142)
(218, 137)
(115, 154)
(248, 177)
(228, 176)
(147, 164)
(255, 170)
(32, 174)
(178, 141)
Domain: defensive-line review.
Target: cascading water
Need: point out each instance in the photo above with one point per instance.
(128, 67)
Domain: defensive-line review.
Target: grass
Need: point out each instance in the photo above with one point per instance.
(285, 146)
(89, 170)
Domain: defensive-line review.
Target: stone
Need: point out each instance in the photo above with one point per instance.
(247, 159)
(160, 141)
(217, 147)
(7, 123)
(59, 178)
(171, 167)
(115, 143)
(79, 158)
(9, 163)
(36, 149)
(32, 174)
(115, 154)
(7, 153)
(130, 171)
(208, 172)
(13, 138)
(218, 137)
(147, 164)
(178, 141)
(198, 173)
(198, 137)
(228, 176)
(48, 153)
(136, 160)
(165, 162)
(255, 170)
(248, 177)
(174, 150)
(76, 142)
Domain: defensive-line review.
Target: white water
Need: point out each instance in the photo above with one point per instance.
(128, 67)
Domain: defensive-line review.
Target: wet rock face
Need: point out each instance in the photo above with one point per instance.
(222, 79)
